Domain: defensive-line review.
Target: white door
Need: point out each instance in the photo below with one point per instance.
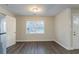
(75, 32)
(11, 30)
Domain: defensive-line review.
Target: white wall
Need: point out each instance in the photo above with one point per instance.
(63, 28)
(21, 29)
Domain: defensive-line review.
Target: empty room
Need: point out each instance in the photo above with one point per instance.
(39, 28)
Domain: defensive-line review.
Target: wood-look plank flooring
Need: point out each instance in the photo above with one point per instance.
(39, 48)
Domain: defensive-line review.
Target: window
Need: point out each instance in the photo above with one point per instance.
(35, 27)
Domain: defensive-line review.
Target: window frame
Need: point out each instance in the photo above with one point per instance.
(27, 32)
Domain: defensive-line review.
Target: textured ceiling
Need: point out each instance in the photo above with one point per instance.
(47, 9)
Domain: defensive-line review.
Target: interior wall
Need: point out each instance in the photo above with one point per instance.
(63, 28)
(21, 34)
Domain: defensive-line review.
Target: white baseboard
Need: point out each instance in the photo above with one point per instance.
(45, 40)
(31, 40)
(10, 44)
(64, 46)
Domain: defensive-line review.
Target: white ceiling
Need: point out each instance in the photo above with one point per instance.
(48, 9)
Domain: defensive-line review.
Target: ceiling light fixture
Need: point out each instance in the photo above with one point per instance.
(36, 10)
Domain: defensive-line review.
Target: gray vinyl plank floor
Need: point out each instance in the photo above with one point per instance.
(39, 48)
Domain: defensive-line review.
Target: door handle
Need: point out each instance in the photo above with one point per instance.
(74, 34)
